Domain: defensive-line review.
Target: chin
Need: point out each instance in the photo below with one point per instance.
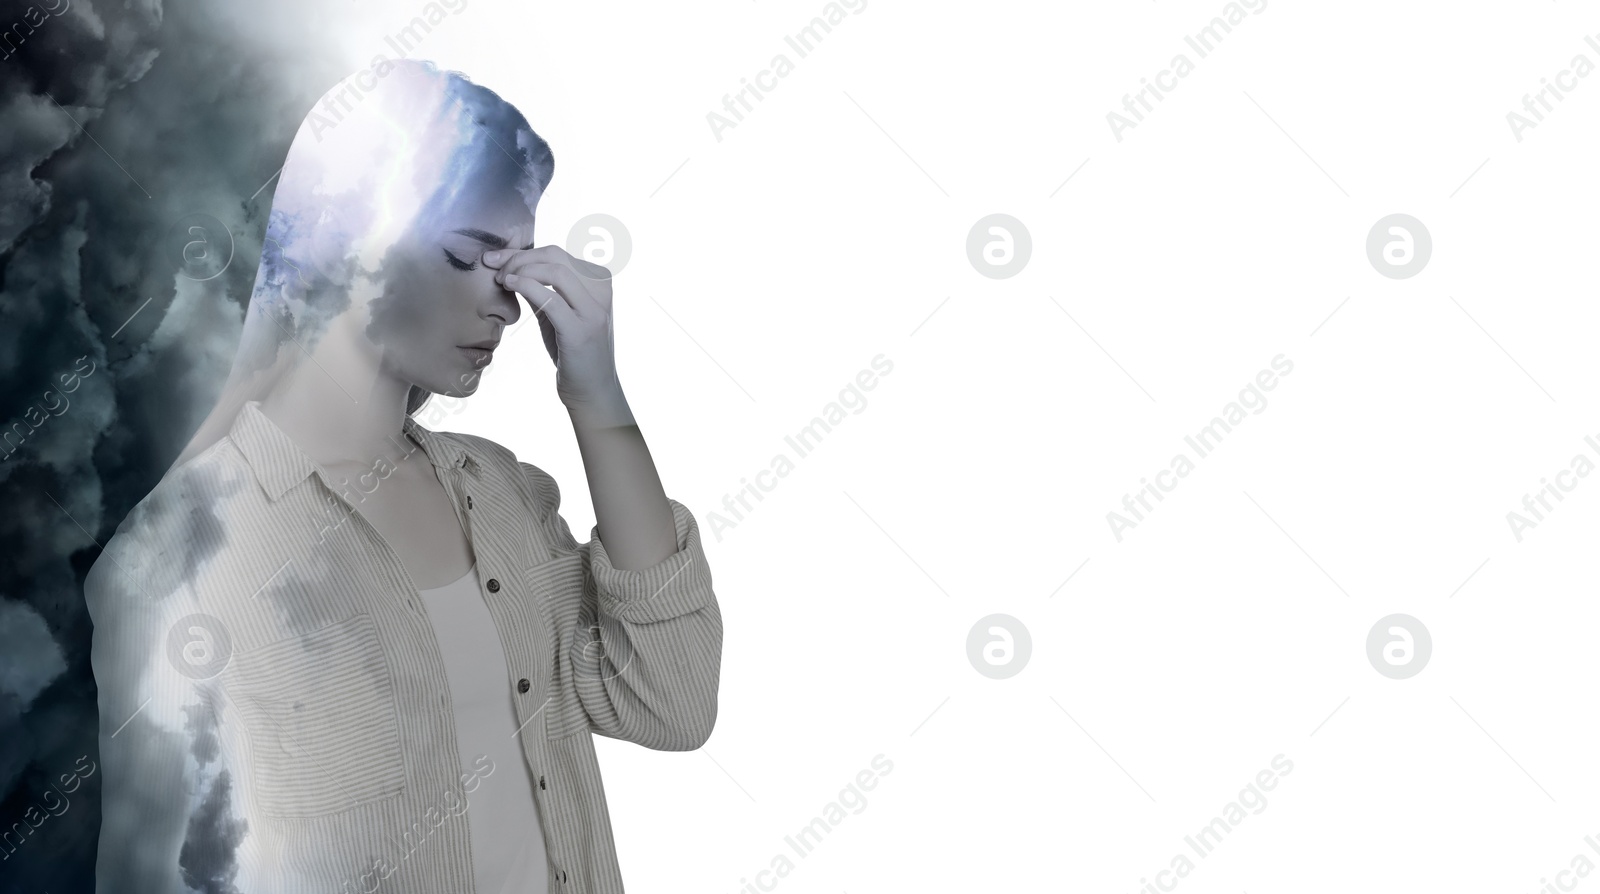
(460, 389)
(461, 384)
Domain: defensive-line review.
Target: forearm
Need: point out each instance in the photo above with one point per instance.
(630, 504)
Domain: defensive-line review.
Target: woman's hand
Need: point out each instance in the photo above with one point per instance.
(572, 299)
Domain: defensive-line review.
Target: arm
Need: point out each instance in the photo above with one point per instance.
(643, 659)
(165, 822)
(630, 505)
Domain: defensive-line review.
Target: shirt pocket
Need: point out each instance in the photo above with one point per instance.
(322, 721)
(559, 585)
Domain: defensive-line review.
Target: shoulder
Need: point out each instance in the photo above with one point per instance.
(167, 513)
(180, 519)
(538, 486)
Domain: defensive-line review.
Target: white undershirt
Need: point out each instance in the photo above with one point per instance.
(508, 854)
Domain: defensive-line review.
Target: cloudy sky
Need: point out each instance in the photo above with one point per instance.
(126, 125)
(794, 215)
(131, 132)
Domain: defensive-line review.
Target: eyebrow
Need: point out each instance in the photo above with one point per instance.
(487, 238)
(484, 236)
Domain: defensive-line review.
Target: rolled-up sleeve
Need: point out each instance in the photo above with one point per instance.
(644, 658)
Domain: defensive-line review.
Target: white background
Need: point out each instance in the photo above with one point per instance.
(1230, 626)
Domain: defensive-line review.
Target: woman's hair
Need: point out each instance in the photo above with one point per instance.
(387, 147)
(383, 149)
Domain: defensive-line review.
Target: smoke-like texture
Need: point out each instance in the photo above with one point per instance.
(119, 121)
(207, 857)
(33, 657)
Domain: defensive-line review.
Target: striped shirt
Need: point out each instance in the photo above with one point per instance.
(274, 708)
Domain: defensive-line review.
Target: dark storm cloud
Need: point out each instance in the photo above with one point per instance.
(207, 856)
(200, 721)
(117, 121)
(68, 54)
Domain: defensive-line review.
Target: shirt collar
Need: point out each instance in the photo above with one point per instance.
(279, 463)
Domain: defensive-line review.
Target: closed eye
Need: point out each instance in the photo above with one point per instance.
(458, 263)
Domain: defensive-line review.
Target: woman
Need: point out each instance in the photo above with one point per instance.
(337, 651)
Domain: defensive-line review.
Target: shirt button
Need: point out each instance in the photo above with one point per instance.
(469, 501)
(494, 585)
(523, 685)
(541, 783)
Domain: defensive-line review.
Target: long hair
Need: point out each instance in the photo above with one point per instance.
(386, 146)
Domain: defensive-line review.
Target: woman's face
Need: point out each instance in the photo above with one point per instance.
(439, 297)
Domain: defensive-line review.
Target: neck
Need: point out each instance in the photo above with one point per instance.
(339, 406)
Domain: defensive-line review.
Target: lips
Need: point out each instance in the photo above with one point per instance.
(478, 356)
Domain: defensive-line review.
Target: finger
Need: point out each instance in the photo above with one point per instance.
(596, 278)
(578, 292)
(555, 254)
(581, 266)
(568, 284)
(547, 304)
(500, 258)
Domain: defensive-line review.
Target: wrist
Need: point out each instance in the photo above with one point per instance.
(606, 409)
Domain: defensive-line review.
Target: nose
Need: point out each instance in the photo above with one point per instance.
(502, 305)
